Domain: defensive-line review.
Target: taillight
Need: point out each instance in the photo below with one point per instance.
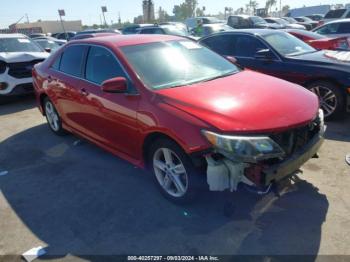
(342, 44)
(3, 66)
(321, 22)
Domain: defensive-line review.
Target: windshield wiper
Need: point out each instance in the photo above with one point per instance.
(302, 53)
(220, 76)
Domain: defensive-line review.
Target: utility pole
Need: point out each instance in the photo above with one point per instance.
(119, 19)
(27, 18)
(280, 8)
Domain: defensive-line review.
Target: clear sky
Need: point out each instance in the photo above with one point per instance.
(89, 11)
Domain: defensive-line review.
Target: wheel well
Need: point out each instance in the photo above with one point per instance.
(329, 80)
(150, 139)
(42, 98)
(197, 159)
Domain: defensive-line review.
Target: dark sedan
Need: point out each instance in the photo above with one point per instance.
(285, 56)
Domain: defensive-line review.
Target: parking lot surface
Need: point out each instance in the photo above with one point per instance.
(74, 198)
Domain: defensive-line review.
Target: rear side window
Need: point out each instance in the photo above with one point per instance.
(152, 31)
(335, 13)
(101, 65)
(221, 44)
(328, 29)
(233, 20)
(344, 28)
(72, 60)
(56, 64)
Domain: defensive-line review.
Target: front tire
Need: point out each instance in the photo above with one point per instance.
(174, 173)
(332, 100)
(53, 118)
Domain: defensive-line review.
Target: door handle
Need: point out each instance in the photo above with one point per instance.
(84, 92)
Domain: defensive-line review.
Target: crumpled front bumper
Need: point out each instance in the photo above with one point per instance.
(292, 164)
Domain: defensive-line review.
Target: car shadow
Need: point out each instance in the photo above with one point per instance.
(10, 105)
(82, 201)
(339, 130)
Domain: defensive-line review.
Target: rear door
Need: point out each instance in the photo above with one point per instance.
(65, 82)
(244, 48)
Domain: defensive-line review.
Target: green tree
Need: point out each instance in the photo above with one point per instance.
(269, 4)
(185, 9)
(285, 9)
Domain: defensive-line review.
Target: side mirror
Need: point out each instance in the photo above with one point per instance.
(47, 49)
(263, 54)
(115, 85)
(232, 59)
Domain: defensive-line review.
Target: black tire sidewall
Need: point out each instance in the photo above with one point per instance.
(193, 175)
(339, 111)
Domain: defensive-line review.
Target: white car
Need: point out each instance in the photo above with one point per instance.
(288, 25)
(337, 28)
(18, 55)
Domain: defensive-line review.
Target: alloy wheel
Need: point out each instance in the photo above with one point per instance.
(328, 99)
(170, 172)
(52, 116)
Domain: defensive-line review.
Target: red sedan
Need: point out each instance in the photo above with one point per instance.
(321, 42)
(179, 109)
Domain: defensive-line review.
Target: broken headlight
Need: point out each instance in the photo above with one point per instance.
(245, 148)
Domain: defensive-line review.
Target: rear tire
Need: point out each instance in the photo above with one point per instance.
(53, 118)
(174, 173)
(332, 99)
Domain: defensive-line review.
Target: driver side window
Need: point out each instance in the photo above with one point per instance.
(101, 65)
(328, 29)
(246, 46)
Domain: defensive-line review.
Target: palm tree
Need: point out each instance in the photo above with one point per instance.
(269, 4)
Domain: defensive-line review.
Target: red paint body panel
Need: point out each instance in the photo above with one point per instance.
(322, 44)
(246, 102)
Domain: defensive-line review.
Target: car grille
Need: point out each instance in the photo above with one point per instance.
(293, 140)
(23, 69)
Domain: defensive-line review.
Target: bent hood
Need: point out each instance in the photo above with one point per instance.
(245, 102)
(16, 57)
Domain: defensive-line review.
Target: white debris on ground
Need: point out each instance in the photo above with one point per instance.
(347, 159)
(77, 142)
(4, 173)
(33, 253)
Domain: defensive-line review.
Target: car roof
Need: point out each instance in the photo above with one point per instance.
(12, 35)
(345, 20)
(254, 31)
(260, 32)
(244, 16)
(128, 40)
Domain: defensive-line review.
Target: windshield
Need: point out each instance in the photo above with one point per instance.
(176, 63)
(47, 44)
(23, 44)
(281, 21)
(335, 13)
(306, 19)
(175, 30)
(290, 20)
(287, 45)
(258, 20)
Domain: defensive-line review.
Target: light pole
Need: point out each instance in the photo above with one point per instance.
(61, 13)
(104, 10)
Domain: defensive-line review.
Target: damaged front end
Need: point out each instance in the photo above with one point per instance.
(260, 161)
